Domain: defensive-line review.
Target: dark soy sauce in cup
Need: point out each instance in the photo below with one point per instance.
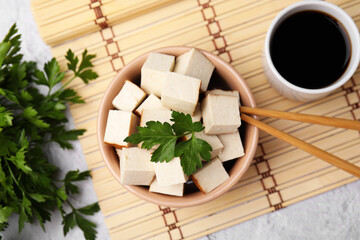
(310, 49)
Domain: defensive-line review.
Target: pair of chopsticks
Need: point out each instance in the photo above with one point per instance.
(307, 118)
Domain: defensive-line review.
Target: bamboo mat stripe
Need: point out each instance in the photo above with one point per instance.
(280, 175)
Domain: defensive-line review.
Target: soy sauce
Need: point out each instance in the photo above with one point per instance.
(310, 49)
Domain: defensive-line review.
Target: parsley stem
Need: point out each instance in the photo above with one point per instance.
(72, 207)
(12, 174)
(64, 85)
(67, 83)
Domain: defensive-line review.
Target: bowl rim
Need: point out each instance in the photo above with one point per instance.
(176, 201)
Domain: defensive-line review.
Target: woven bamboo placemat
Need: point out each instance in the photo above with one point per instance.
(119, 30)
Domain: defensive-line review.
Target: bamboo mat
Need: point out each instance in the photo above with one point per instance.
(117, 31)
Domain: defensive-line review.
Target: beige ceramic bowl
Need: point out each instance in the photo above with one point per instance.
(224, 76)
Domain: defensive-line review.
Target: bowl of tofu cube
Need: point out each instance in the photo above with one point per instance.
(189, 81)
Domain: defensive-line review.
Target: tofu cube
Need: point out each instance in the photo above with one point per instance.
(151, 102)
(220, 114)
(196, 65)
(210, 176)
(154, 70)
(175, 190)
(135, 167)
(180, 92)
(155, 115)
(196, 116)
(226, 93)
(120, 124)
(169, 173)
(213, 140)
(233, 147)
(129, 97)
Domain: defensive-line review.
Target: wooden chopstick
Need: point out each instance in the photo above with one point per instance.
(300, 117)
(317, 152)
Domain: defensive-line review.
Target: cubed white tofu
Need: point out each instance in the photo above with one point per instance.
(213, 140)
(224, 92)
(220, 114)
(135, 167)
(210, 176)
(180, 92)
(129, 97)
(154, 70)
(175, 190)
(233, 147)
(151, 102)
(120, 124)
(196, 116)
(170, 173)
(155, 115)
(195, 64)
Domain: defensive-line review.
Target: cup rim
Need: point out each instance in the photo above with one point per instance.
(355, 55)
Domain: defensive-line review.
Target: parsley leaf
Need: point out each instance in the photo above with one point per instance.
(6, 118)
(82, 71)
(90, 209)
(166, 136)
(86, 226)
(73, 176)
(190, 152)
(29, 120)
(5, 213)
(69, 222)
(156, 133)
(62, 136)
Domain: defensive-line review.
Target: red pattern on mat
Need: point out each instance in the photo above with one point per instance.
(100, 20)
(268, 181)
(218, 40)
(107, 35)
(171, 221)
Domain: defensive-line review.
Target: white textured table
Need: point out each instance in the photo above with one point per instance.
(333, 215)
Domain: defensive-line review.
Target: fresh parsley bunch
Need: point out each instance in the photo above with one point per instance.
(28, 121)
(168, 138)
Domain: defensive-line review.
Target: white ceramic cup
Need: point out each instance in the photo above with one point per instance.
(303, 94)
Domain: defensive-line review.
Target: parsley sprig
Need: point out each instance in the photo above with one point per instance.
(29, 120)
(168, 138)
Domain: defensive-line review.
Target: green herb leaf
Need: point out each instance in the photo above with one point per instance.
(4, 49)
(183, 124)
(73, 176)
(14, 40)
(191, 152)
(38, 197)
(63, 136)
(156, 133)
(72, 60)
(7, 146)
(32, 115)
(86, 226)
(6, 118)
(29, 120)
(25, 212)
(52, 70)
(83, 71)
(70, 95)
(68, 222)
(19, 161)
(90, 209)
(5, 213)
